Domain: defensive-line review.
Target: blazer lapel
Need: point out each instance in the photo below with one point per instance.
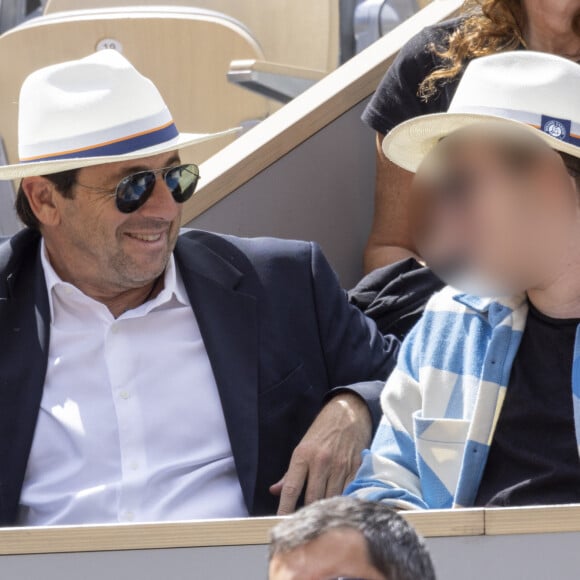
(228, 323)
(24, 339)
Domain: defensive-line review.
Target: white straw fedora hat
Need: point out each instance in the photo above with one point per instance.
(95, 110)
(534, 90)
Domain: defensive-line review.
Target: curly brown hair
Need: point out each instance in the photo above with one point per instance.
(488, 27)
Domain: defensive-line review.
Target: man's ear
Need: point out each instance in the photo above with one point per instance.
(41, 195)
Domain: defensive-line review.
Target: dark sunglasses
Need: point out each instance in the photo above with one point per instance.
(134, 190)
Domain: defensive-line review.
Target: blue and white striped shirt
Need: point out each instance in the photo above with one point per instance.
(442, 402)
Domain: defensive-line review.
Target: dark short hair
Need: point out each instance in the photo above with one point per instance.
(393, 546)
(63, 182)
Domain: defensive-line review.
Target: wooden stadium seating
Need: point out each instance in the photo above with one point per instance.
(301, 33)
(190, 70)
(534, 543)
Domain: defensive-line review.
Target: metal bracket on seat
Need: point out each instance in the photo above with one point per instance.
(275, 81)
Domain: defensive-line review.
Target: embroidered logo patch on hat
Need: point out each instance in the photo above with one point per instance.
(557, 128)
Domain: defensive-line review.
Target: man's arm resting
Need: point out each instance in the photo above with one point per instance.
(329, 455)
(354, 352)
(369, 392)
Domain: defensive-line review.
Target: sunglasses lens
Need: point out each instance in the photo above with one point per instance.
(134, 191)
(182, 181)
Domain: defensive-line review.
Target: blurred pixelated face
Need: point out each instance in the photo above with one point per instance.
(493, 211)
(340, 553)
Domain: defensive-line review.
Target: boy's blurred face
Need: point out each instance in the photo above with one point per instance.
(493, 211)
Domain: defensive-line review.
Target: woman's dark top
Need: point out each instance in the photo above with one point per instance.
(396, 99)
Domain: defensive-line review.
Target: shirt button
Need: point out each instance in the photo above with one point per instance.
(124, 395)
(114, 329)
(68, 290)
(129, 516)
(134, 465)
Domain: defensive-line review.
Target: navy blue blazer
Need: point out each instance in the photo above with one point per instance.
(278, 331)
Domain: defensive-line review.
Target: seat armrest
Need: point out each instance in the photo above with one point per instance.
(276, 81)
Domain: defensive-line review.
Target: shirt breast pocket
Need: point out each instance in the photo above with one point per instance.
(440, 445)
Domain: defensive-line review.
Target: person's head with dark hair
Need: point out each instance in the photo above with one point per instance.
(348, 538)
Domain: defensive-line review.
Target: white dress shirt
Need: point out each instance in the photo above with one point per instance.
(131, 427)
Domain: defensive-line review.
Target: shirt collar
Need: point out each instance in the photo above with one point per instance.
(173, 286)
(492, 309)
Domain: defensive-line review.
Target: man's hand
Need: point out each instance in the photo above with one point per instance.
(328, 456)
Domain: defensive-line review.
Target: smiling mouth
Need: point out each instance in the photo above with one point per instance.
(146, 237)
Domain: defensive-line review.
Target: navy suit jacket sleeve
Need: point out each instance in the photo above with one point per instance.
(353, 346)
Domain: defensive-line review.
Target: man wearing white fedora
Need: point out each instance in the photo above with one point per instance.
(484, 405)
(147, 375)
